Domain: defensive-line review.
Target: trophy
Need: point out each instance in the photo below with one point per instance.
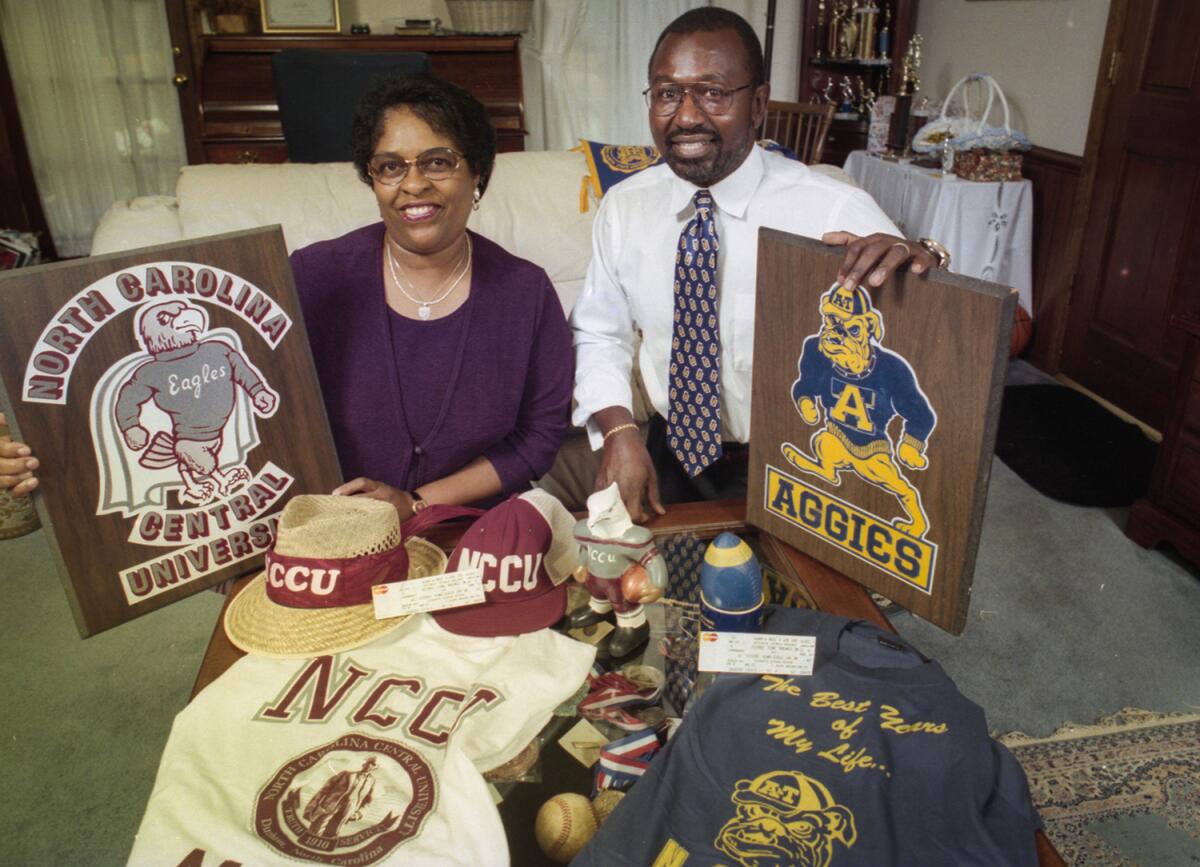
(819, 31)
(867, 16)
(845, 108)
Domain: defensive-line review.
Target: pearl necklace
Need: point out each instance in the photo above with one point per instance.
(424, 307)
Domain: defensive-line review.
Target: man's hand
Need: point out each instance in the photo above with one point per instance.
(626, 462)
(364, 487)
(875, 258)
(17, 464)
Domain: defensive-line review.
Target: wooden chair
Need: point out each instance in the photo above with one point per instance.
(801, 126)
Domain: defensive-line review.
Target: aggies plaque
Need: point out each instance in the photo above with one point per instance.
(170, 395)
(874, 416)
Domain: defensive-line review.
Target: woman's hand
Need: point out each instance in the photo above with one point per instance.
(17, 464)
(364, 487)
(875, 258)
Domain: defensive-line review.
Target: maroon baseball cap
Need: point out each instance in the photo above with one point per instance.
(526, 549)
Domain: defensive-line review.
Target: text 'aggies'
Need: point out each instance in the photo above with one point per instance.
(330, 685)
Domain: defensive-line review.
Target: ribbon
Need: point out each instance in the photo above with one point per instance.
(319, 582)
(611, 697)
(623, 761)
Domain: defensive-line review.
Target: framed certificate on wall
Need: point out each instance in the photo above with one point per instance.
(301, 16)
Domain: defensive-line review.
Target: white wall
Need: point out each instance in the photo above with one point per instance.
(377, 12)
(785, 52)
(1044, 53)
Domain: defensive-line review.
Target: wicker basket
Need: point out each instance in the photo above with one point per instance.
(490, 16)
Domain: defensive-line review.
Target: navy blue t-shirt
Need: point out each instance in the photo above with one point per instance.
(875, 759)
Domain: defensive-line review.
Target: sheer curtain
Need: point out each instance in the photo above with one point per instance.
(101, 117)
(584, 66)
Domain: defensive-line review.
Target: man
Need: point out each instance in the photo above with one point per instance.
(674, 256)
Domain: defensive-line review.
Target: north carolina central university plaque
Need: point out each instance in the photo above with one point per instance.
(874, 416)
(171, 397)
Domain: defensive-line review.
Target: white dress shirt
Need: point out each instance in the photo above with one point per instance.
(630, 283)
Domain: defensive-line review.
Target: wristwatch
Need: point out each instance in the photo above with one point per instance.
(419, 504)
(937, 250)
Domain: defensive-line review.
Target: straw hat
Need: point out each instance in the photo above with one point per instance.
(329, 551)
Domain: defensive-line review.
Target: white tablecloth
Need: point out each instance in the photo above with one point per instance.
(987, 227)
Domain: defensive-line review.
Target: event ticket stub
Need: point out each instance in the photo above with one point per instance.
(448, 590)
(757, 653)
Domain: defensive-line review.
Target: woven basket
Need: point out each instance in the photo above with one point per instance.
(490, 16)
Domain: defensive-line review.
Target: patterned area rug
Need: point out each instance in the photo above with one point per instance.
(1123, 792)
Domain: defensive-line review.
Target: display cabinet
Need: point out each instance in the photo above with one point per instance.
(227, 95)
(851, 52)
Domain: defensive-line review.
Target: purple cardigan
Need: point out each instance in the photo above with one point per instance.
(510, 378)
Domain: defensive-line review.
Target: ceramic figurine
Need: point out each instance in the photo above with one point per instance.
(617, 552)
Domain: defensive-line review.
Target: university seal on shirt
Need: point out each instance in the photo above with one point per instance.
(352, 801)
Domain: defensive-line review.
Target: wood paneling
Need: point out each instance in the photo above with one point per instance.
(1055, 176)
(1171, 510)
(228, 98)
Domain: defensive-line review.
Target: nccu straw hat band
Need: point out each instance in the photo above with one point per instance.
(311, 582)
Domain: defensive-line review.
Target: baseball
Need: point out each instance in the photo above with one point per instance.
(563, 825)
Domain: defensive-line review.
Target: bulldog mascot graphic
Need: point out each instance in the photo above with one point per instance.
(194, 386)
(785, 818)
(862, 388)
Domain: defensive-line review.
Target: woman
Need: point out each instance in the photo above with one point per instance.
(445, 362)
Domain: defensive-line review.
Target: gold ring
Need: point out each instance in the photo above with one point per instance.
(907, 249)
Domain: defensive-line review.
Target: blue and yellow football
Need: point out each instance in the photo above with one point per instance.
(731, 592)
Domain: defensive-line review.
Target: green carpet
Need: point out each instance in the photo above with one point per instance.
(1123, 792)
(84, 721)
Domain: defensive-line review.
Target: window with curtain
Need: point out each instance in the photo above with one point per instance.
(100, 114)
(584, 65)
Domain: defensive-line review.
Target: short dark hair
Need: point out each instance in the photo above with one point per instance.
(447, 108)
(709, 19)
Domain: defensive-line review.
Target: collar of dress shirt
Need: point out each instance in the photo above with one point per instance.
(732, 193)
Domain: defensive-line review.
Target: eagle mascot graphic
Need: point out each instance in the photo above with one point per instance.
(862, 388)
(189, 383)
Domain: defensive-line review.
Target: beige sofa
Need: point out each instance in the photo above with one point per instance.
(532, 208)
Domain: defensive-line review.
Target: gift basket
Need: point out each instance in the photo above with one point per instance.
(490, 16)
(980, 152)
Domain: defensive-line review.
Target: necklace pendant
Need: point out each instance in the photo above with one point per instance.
(424, 312)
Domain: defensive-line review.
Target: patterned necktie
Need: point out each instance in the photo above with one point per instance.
(694, 387)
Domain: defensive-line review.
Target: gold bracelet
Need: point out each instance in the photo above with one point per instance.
(627, 426)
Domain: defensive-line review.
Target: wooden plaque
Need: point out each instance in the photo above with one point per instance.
(873, 421)
(170, 395)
